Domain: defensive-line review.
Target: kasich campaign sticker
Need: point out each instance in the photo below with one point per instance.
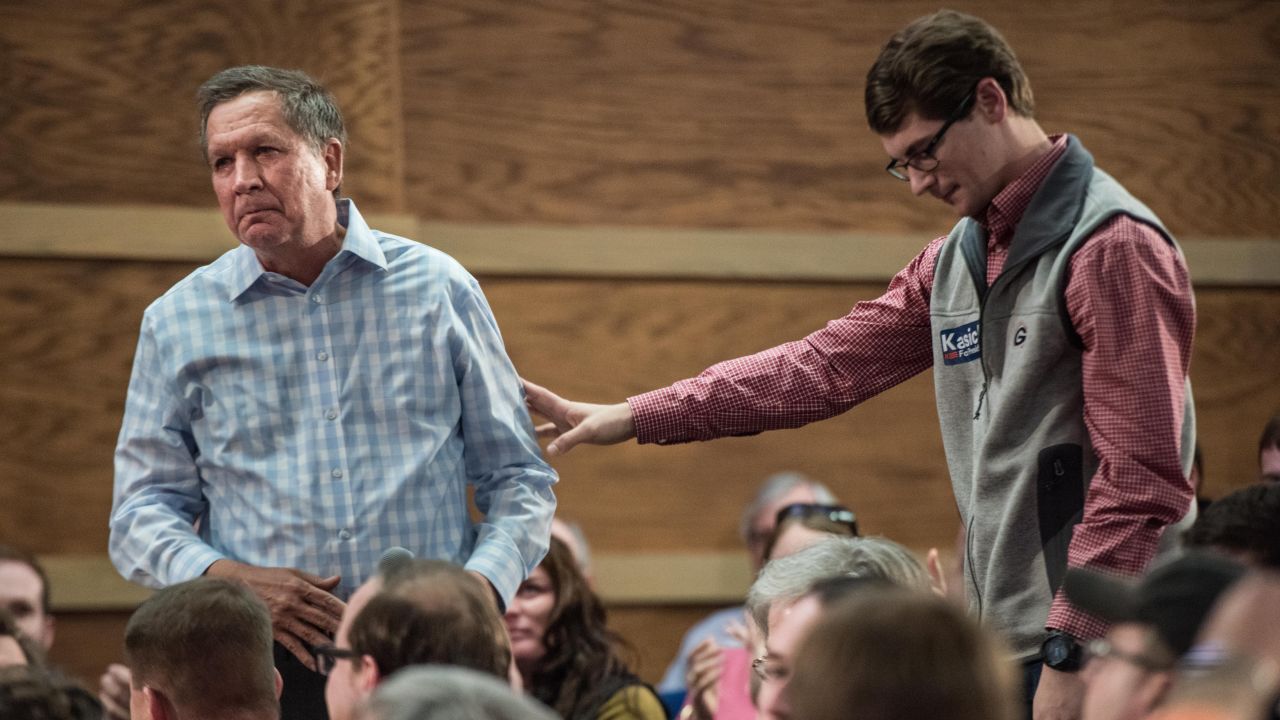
(961, 344)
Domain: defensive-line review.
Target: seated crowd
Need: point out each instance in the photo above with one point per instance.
(835, 625)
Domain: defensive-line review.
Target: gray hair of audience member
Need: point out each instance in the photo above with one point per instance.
(206, 645)
(774, 487)
(443, 692)
(788, 578)
(308, 108)
(30, 693)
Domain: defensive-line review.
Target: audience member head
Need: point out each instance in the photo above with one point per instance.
(1269, 450)
(202, 649)
(29, 693)
(1244, 524)
(1153, 623)
(563, 648)
(442, 692)
(24, 592)
(570, 533)
(800, 525)
(15, 647)
(900, 654)
(424, 611)
(777, 491)
(784, 580)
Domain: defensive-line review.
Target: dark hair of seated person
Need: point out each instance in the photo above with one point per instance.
(31, 693)
(1243, 524)
(583, 667)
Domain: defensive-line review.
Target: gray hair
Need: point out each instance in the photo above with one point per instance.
(774, 487)
(788, 578)
(309, 109)
(441, 692)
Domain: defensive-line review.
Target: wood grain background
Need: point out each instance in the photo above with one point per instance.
(662, 114)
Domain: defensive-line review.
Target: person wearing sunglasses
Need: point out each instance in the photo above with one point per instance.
(1057, 316)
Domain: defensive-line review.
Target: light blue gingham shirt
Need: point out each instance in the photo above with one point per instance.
(315, 427)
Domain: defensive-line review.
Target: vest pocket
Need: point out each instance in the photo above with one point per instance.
(1059, 504)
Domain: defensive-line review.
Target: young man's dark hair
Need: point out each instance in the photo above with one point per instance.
(431, 611)
(204, 648)
(932, 65)
(1244, 524)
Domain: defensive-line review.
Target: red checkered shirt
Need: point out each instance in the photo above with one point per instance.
(1130, 301)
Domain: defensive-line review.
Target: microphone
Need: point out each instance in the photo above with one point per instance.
(393, 558)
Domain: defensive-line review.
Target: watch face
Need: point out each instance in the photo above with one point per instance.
(1056, 650)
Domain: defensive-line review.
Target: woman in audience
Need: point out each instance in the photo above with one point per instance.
(567, 657)
(895, 654)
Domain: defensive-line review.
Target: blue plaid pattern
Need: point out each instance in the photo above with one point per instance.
(316, 427)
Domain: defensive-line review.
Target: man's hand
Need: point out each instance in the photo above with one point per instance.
(576, 422)
(304, 614)
(113, 691)
(703, 677)
(1059, 696)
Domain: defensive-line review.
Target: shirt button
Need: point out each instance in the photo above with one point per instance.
(331, 415)
(344, 534)
(317, 299)
(337, 472)
(322, 356)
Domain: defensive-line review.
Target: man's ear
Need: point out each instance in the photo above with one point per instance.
(1154, 689)
(279, 683)
(368, 676)
(991, 102)
(158, 705)
(332, 157)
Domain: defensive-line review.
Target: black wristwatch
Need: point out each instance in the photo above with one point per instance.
(1061, 652)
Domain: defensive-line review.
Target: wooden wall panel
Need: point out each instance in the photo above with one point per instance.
(725, 114)
(99, 95)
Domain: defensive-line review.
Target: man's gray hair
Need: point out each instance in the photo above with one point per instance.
(309, 109)
(774, 487)
(441, 692)
(788, 578)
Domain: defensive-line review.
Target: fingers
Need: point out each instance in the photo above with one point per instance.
(297, 648)
(542, 400)
(568, 440)
(113, 691)
(546, 430)
(934, 563)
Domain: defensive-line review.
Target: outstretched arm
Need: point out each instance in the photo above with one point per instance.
(573, 422)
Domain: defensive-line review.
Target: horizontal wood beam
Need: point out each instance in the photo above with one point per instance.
(89, 583)
(199, 235)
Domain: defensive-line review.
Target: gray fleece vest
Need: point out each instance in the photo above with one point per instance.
(1007, 370)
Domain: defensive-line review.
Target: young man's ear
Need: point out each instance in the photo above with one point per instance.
(991, 102)
(279, 683)
(158, 706)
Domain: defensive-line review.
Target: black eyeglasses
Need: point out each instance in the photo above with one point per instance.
(838, 514)
(328, 655)
(924, 160)
(1098, 649)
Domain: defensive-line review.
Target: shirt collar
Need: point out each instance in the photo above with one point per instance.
(1005, 211)
(359, 242)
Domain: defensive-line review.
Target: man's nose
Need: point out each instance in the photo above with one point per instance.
(920, 180)
(248, 176)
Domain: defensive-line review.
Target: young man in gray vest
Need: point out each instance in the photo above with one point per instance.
(1057, 316)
